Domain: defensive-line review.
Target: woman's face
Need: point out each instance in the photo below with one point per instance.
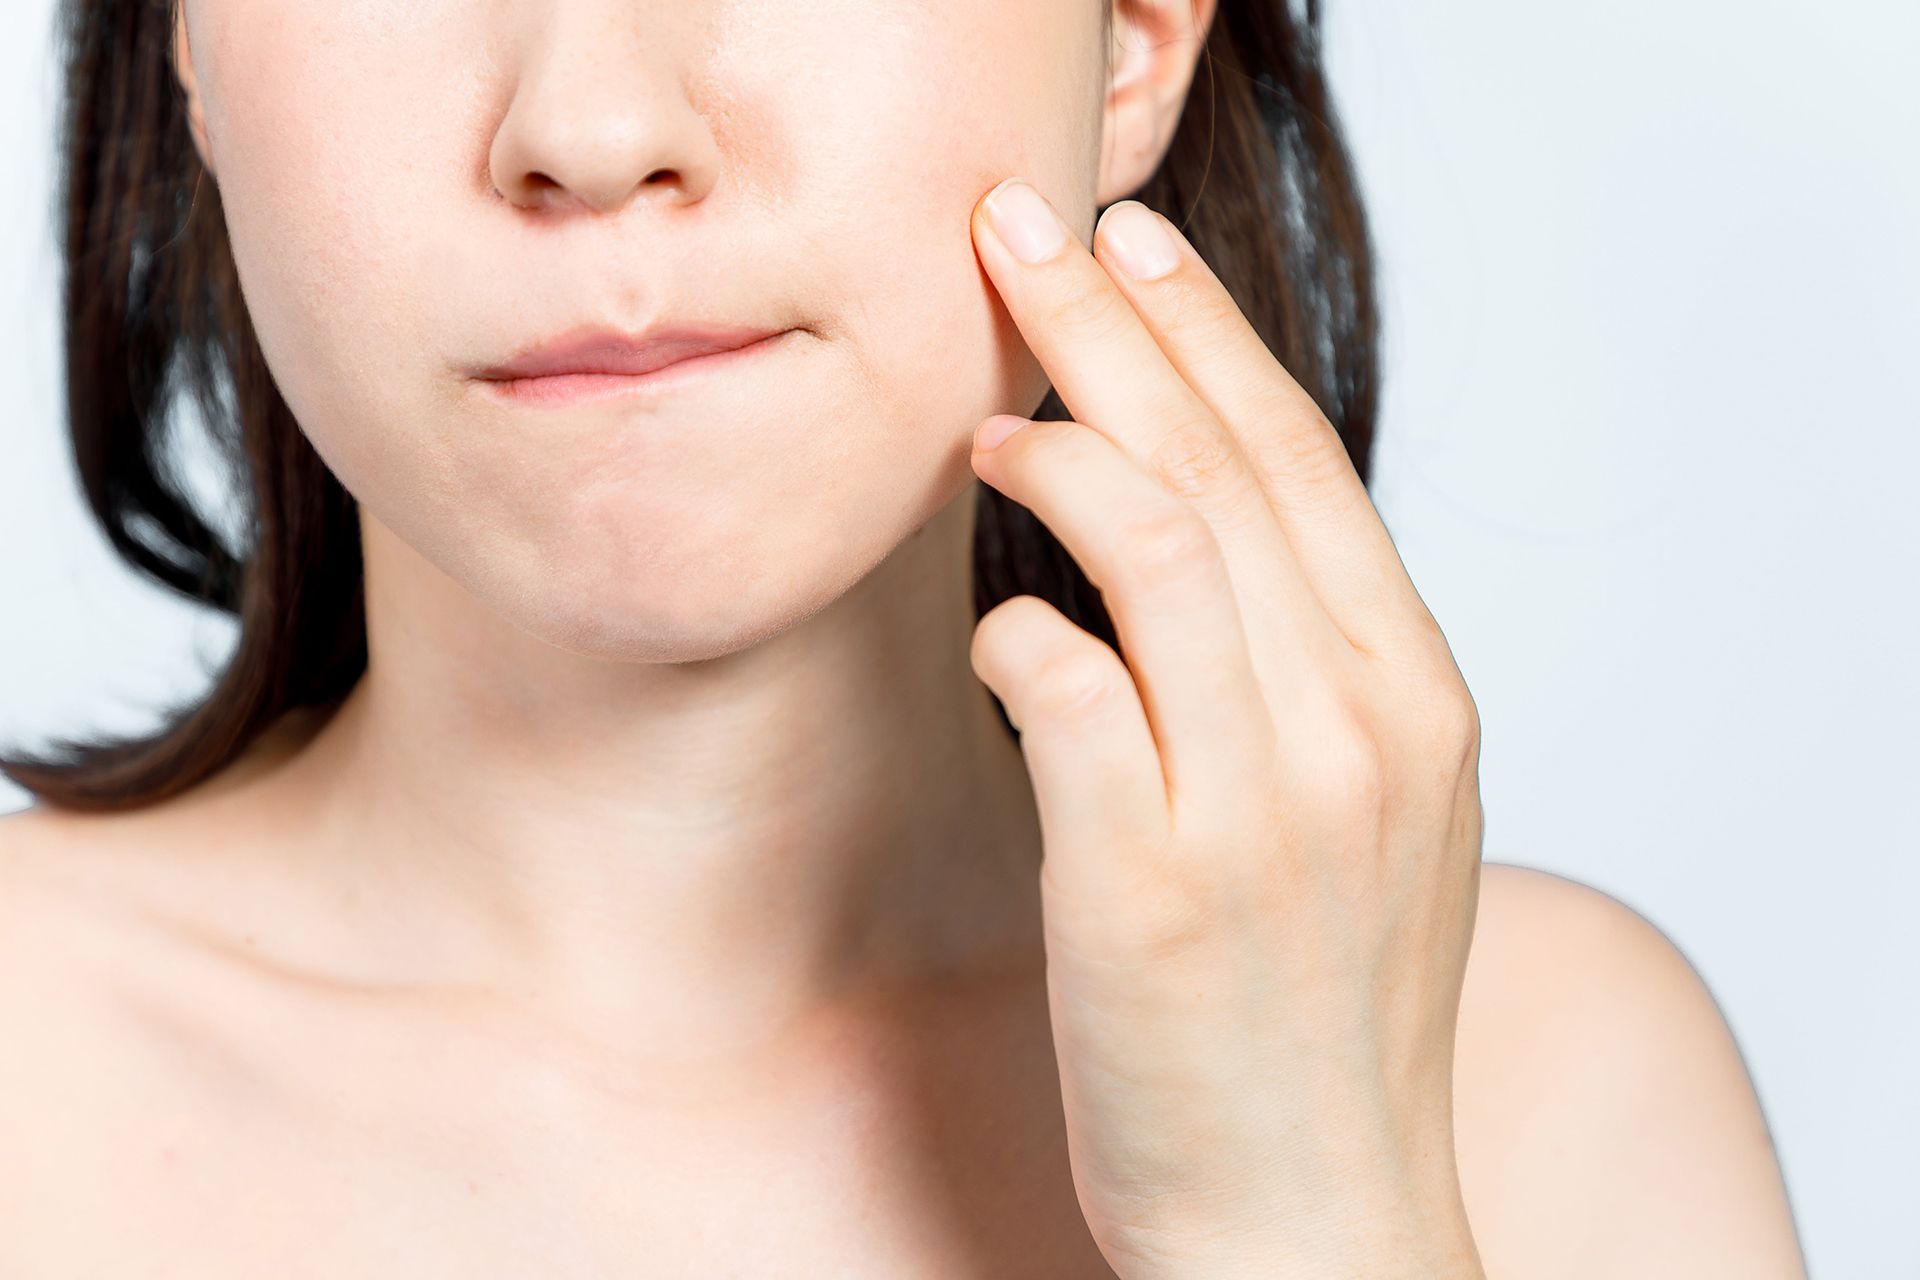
(418, 189)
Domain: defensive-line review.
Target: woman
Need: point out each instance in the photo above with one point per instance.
(614, 849)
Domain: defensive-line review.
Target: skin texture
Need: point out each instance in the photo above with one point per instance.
(598, 632)
(1261, 817)
(668, 890)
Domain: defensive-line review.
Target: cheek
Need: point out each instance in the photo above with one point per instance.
(850, 139)
(339, 133)
(859, 131)
(885, 125)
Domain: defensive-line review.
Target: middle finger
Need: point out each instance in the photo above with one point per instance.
(1113, 376)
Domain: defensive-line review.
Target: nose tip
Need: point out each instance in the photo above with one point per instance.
(597, 119)
(538, 189)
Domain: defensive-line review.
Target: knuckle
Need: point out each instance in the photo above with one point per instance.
(1072, 686)
(1194, 456)
(1453, 722)
(1443, 721)
(1085, 311)
(1307, 454)
(1423, 659)
(1165, 546)
(1345, 769)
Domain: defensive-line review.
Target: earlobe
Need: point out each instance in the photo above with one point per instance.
(190, 86)
(1155, 49)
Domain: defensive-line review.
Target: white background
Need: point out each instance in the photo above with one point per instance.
(1651, 280)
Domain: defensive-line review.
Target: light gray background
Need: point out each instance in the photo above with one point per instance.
(1652, 296)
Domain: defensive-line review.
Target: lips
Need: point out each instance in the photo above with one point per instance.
(605, 351)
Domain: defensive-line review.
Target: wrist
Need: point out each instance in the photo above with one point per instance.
(1365, 1219)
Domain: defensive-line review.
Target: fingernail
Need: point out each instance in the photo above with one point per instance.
(1025, 222)
(1139, 243)
(995, 430)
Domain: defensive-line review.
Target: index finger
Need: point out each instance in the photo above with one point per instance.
(1294, 456)
(1102, 361)
(1112, 374)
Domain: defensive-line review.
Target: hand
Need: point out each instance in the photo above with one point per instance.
(1262, 825)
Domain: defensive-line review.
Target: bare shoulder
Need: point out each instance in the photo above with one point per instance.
(53, 866)
(82, 924)
(58, 1042)
(1605, 1121)
(23, 832)
(39, 848)
(118, 1102)
(94, 906)
(62, 925)
(94, 1074)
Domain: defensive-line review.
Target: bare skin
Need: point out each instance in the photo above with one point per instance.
(202, 1077)
(663, 902)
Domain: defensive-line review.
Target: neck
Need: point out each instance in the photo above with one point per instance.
(715, 847)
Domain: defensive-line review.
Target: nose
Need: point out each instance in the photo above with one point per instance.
(599, 109)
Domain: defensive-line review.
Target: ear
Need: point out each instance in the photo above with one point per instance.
(1156, 47)
(190, 86)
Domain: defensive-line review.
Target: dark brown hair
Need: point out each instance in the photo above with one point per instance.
(1257, 175)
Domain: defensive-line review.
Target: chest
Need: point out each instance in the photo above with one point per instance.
(321, 1208)
(318, 1146)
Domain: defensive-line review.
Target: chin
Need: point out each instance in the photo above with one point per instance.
(706, 606)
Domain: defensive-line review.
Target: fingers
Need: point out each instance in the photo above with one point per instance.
(1165, 583)
(1096, 771)
(1297, 456)
(1108, 369)
(1164, 363)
